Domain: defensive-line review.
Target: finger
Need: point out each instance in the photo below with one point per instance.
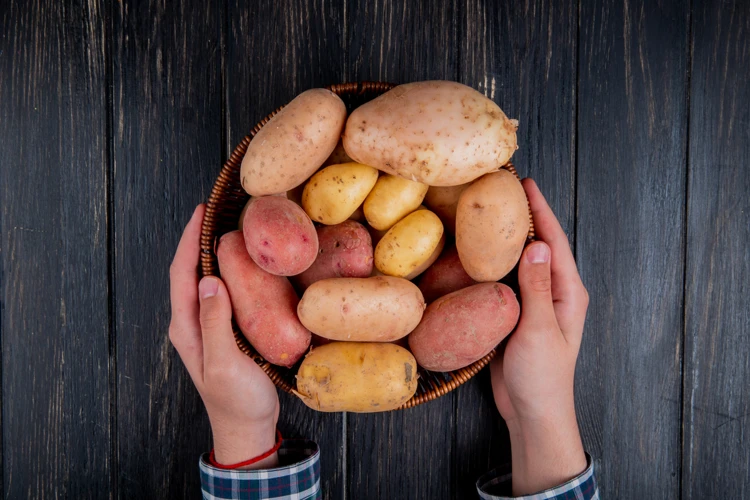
(535, 283)
(219, 347)
(183, 273)
(184, 330)
(568, 292)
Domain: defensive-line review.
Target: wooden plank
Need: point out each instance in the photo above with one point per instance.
(716, 456)
(53, 249)
(167, 152)
(276, 50)
(409, 453)
(632, 123)
(523, 56)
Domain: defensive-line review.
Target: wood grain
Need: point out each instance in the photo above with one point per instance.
(716, 443)
(167, 151)
(409, 453)
(523, 56)
(632, 120)
(276, 50)
(53, 249)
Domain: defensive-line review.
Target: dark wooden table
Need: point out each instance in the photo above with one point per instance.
(115, 118)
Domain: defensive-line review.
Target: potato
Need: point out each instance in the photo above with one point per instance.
(357, 377)
(443, 201)
(345, 252)
(377, 309)
(279, 235)
(492, 224)
(430, 260)
(392, 199)
(445, 276)
(264, 305)
(408, 244)
(294, 143)
(289, 194)
(438, 133)
(462, 327)
(338, 156)
(334, 193)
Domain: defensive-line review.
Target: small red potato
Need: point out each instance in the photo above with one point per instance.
(279, 235)
(345, 251)
(445, 276)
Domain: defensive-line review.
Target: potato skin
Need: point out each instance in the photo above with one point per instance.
(462, 327)
(392, 199)
(376, 309)
(444, 201)
(279, 236)
(408, 244)
(437, 132)
(294, 143)
(357, 377)
(430, 260)
(334, 193)
(345, 251)
(264, 305)
(492, 224)
(445, 276)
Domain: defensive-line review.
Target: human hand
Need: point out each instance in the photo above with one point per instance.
(532, 379)
(241, 401)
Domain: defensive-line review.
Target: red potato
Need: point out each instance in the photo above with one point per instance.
(279, 235)
(264, 305)
(462, 327)
(445, 276)
(345, 252)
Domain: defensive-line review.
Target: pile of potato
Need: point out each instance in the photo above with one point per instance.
(360, 216)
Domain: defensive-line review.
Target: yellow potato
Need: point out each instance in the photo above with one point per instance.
(294, 143)
(443, 201)
(492, 224)
(430, 260)
(408, 244)
(357, 376)
(439, 133)
(392, 199)
(334, 193)
(377, 309)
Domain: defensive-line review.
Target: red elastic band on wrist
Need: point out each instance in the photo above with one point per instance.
(279, 439)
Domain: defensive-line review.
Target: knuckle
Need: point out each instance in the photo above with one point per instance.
(211, 320)
(175, 334)
(540, 283)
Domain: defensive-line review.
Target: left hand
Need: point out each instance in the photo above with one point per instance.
(241, 401)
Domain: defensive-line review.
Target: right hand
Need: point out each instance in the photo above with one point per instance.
(532, 379)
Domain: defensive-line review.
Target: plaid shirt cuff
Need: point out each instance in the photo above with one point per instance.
(298, 477)
(496, 485)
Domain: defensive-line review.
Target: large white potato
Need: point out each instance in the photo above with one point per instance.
(438, 133)
(294, 143)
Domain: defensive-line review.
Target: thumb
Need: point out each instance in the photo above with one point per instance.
(535, 282)
(216, 321)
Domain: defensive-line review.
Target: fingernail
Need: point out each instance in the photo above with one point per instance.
(208, 287)
(538, 253)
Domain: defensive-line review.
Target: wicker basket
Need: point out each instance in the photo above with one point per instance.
(222, 215)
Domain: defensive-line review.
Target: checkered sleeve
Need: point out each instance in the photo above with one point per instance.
(297, 478)
(496, 485)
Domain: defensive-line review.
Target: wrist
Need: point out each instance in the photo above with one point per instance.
(235, 444)
(545, 452)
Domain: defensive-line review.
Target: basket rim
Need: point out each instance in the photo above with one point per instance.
(434, 383)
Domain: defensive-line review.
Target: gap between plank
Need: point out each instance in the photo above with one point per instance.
(108, 30)
(685, 221)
